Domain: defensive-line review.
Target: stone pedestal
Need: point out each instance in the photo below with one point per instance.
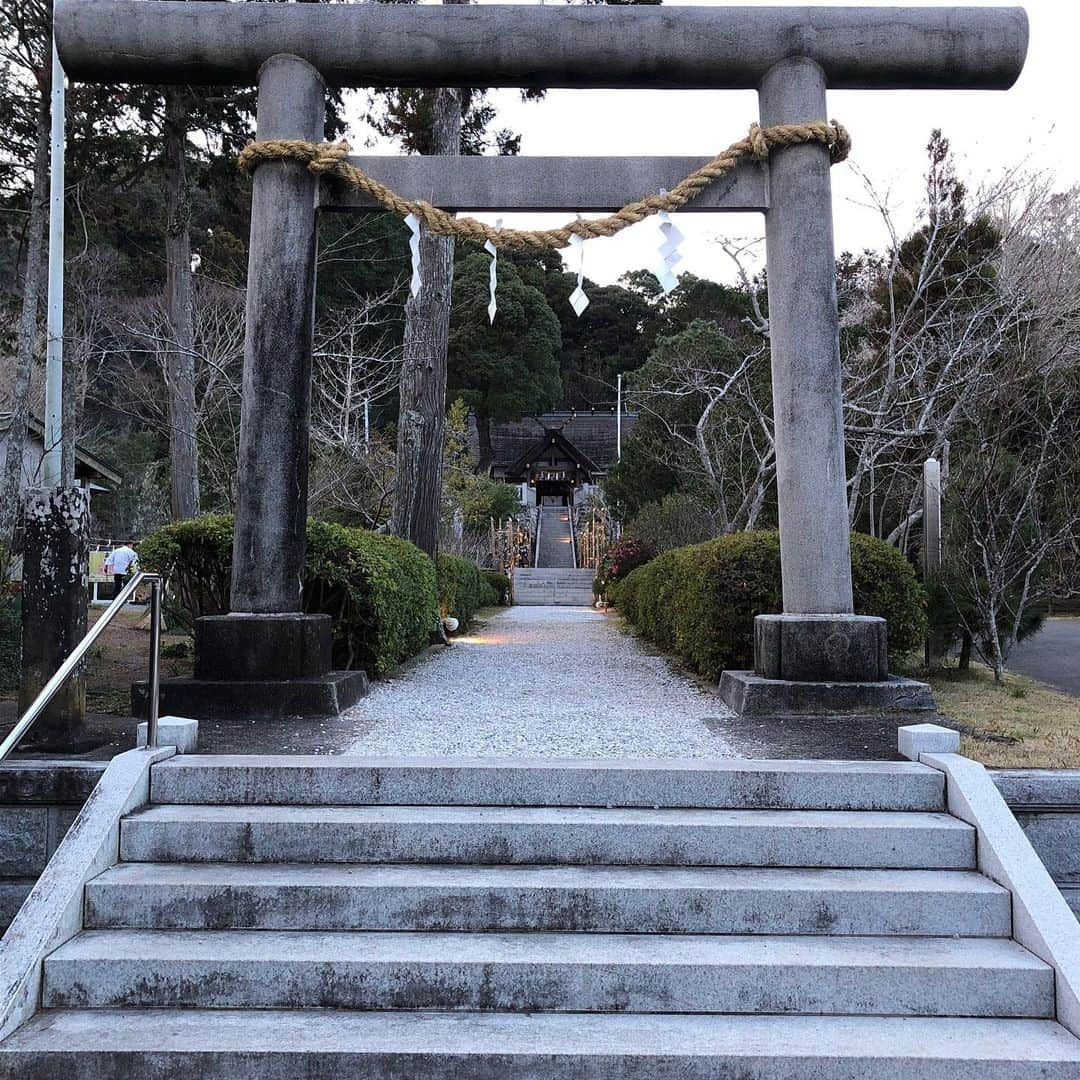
(821, 648)
(749, 694)
(806, 665)
(247, 646)
(56, 529)
(259, 667)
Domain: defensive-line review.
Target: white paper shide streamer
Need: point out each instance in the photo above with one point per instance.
(578, 300)
(670, 256)
(493, 251)
(414, 246)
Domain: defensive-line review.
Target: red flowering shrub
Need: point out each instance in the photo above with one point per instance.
(619, 559)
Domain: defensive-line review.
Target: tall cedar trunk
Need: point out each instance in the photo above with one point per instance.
(10, 501)
(483, 435)
(180, 357)
(965, 651)
(422, 415)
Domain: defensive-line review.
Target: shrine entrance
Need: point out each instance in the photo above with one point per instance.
(790, 56)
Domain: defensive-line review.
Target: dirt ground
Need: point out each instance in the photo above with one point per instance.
(1023, 724)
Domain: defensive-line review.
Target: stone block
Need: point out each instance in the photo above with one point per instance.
(718, 784)
(262, 647)
(217, 699)
(172, 731)
(24, 840)
(48, 782)
(821, 648)
(749, 694)
(915, 739)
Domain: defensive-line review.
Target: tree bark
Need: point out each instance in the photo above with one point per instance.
(964, 663)
(180, 358)
(422, 412)
(10, 485)
(483, 435)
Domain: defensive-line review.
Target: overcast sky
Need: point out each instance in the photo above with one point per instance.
(1036, 122)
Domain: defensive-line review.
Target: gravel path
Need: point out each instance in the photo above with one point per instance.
(542, 682)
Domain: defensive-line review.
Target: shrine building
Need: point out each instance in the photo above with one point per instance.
(557, 458)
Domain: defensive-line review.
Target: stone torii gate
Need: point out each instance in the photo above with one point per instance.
(790, 55)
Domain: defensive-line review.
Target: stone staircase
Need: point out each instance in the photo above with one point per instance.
(559, 588)
(334, 917)
(556, 539)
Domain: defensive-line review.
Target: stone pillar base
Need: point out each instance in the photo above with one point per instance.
(259, 667)
(748, 694)
(816, 665)
(821, 648)
(266, 699)
(244, 646)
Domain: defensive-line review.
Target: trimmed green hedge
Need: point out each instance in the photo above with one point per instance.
(699, 602)
(463, 589)
(195, 557)
(379, 590)
(500, 585)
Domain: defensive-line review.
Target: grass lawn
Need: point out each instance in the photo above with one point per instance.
(1022, 724)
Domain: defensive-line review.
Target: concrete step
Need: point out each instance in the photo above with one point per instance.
(491, 835)
(553, 586)
(322, 1044)
(267, 896)
(549, 972)
(725, 784)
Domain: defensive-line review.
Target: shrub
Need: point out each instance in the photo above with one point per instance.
(379, 590)
(722, 585)
(463, 590)
(620, 559)
(884, 583)
(500, 585)
(699, 602)
(195, 558)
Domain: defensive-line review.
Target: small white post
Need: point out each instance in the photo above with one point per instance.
(931, 516)
(54, 349)
(618, 419)
(931, 535)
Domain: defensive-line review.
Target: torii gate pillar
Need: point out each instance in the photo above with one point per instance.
(818, 640)
(266, 657)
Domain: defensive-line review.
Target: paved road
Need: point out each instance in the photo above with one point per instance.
(1052, 655)
(542, 682)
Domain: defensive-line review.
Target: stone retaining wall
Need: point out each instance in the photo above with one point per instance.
(1046, 802)
(38, 803)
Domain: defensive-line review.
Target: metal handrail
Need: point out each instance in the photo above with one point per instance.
(50, 689)
(573, 540)
(539, 526)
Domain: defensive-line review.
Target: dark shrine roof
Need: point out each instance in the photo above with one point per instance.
(593, 434)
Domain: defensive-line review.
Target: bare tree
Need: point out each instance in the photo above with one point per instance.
(704, 390)
(136, 377)
(1013, 515)
(929, 330)
(26, 49)
(179, 305)
(356, 365)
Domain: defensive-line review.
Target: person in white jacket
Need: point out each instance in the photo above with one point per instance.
(119, 562)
